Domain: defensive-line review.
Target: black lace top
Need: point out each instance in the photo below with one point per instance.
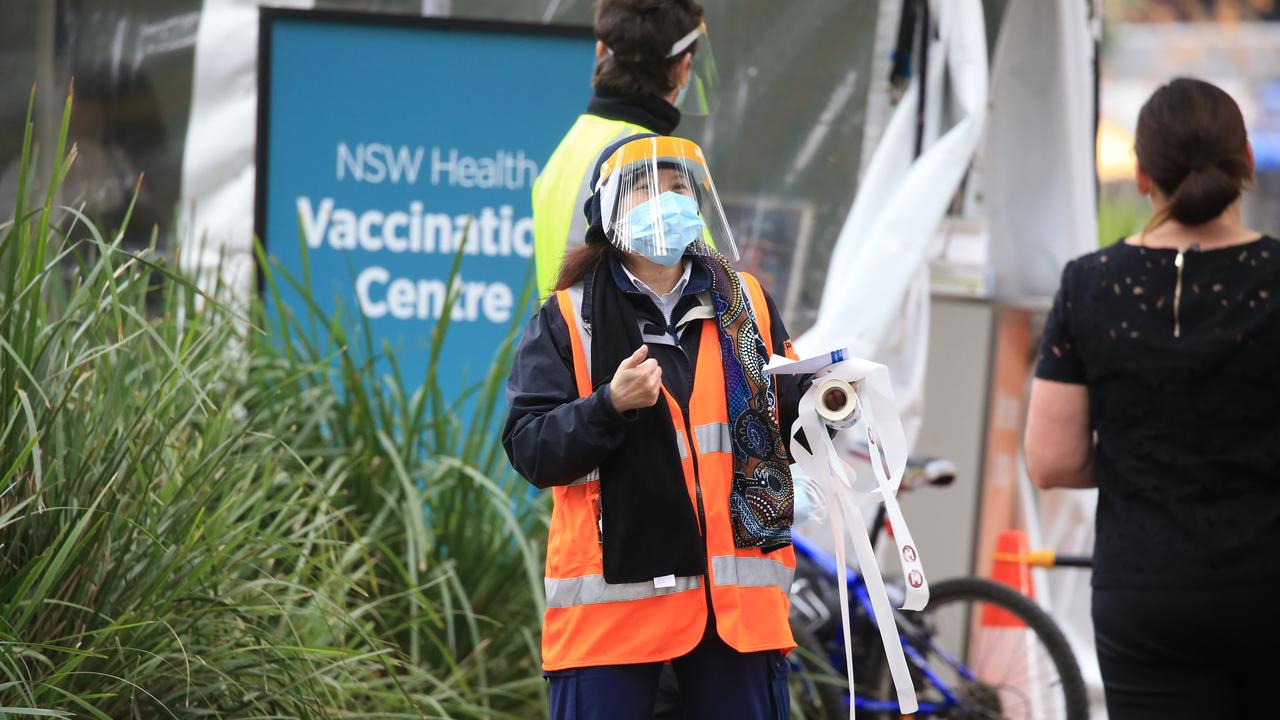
(1184, 395)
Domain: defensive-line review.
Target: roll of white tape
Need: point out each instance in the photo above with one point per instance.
(837, 403)
(847, 390)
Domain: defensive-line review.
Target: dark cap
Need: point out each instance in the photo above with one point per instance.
(595, 221)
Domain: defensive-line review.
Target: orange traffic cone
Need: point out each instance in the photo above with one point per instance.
(1014, 573)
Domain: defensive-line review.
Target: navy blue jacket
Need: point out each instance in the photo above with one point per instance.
(554, 437)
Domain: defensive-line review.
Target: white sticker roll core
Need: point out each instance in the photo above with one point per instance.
(837, 403)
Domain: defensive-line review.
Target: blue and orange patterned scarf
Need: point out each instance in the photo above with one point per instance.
(761, 500)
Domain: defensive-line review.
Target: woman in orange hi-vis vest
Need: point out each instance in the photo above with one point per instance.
(638, 396)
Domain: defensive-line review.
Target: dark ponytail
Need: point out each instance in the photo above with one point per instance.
(1192, 142)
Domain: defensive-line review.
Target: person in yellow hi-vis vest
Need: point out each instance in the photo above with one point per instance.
(653, 61)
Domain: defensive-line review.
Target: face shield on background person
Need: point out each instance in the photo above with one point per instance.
(657, 200)
(699, 95)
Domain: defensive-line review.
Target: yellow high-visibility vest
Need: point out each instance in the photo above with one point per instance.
(562, 189)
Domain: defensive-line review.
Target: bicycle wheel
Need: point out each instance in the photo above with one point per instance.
(817, 690)
(990, 653)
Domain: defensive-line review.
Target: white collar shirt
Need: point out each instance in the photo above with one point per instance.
(666, 302)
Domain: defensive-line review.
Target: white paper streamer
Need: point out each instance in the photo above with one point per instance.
(869, 383)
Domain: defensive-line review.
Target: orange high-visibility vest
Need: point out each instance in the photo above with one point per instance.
(589, 622)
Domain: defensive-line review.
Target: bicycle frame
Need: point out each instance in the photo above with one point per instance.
(858, 590)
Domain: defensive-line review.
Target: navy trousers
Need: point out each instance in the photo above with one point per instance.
(716, 681)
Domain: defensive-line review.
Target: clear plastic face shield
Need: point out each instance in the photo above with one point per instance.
(657, 200)
(699, 96)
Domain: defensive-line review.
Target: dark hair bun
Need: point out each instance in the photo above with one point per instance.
(1203, 195)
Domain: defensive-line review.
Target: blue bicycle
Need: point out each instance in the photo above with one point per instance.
(979, 650)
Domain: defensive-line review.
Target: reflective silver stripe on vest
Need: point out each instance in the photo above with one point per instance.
(713, 438)
(682, 444)
(589, 477)
(575, 299)
(751, 572)
(592, 589)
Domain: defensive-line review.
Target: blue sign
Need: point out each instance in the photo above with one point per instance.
(1265, 131)
(389, 145)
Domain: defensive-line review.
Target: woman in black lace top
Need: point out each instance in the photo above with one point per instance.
(1157, 383)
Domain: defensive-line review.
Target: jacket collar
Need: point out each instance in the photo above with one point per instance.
(699, 282)
(648, 111)
(699, 278)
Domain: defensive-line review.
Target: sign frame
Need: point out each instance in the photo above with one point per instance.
(272, 23)
(268, 16)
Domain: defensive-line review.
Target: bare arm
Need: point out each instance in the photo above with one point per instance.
(1059, 439)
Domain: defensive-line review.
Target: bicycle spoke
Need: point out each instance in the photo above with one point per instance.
(1020, 681)
(1024, 680)
(1016, 669)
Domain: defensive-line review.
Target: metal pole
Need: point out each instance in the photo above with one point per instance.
(879, 104)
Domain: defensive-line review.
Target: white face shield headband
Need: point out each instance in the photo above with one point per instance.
(699, 95)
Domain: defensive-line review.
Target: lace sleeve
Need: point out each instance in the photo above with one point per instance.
(1059, 355)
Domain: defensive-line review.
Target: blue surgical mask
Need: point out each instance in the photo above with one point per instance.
(681, 225)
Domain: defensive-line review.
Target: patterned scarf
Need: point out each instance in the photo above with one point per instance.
(760, 502)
